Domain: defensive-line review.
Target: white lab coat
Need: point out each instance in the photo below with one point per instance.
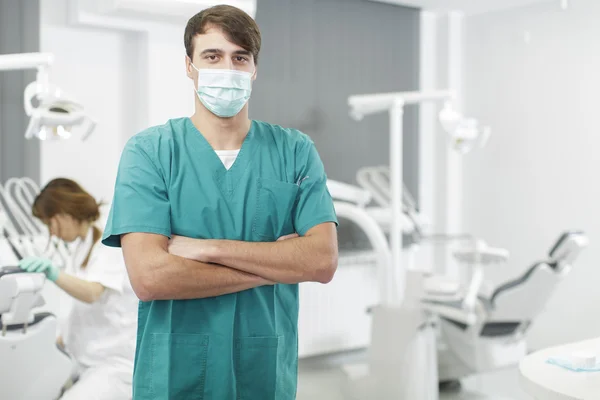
(101, 336)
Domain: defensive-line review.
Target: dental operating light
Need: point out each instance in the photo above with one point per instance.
(56, 114)
(463, 133)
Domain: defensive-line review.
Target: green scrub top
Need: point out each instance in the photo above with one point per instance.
(241, 346)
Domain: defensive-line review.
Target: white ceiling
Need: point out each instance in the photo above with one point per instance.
(467, 6)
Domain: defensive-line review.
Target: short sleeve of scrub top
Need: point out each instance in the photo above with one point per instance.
(314, 203)
(140, 202)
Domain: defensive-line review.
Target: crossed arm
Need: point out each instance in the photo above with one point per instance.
(185, 268)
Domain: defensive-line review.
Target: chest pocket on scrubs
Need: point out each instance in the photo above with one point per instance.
(274, 207)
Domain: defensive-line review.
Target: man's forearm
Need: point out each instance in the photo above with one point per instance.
(303, 259)
(176, 278)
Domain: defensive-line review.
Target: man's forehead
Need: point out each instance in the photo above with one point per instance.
(214, 37)
(210, 29)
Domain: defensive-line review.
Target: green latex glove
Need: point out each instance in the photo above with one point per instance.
(37, 264)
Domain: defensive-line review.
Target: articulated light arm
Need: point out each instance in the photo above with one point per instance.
(463, 132)
(21, 61)
(363, 105)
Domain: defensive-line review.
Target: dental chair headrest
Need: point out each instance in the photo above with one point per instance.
(10, 271)
(567, 248)
(20, 293)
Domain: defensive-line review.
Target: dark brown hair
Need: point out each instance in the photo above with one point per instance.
(238, 27)
(64, 196)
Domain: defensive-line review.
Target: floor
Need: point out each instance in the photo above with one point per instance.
(322, 379)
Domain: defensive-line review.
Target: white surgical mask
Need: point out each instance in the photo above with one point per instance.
(224, 92)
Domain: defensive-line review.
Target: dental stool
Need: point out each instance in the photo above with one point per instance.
(497, 338)
(32, 366)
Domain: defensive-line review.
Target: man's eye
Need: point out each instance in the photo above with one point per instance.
(212, 57)
(241, 59)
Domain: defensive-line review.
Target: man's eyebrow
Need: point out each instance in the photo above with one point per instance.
(211, 51)
(242, 53)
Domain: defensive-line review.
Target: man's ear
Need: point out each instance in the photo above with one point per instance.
(189, 70)
(255, 74)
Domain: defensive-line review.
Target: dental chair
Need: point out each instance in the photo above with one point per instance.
(480, 332)
(32, 366)
(497, 339)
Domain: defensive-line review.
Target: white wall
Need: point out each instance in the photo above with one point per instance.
(88, 66)
(538, 174)
(126, 80)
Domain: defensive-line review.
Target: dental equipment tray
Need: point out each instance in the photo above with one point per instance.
(487, 255)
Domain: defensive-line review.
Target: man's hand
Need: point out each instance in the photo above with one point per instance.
(192, 249)
(157, 274)
(290, 236)
(291, 259)
(200, 249)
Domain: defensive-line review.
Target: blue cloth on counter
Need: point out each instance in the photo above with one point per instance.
(567, 364)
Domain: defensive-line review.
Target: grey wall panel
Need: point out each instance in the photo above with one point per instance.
(318, 52)
(19, 33)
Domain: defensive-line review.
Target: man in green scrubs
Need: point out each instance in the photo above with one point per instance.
(220, 217)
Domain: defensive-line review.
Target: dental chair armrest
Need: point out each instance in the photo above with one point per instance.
(451, 312)
(478, 255)
(482, 254)
(445, 311)
(470, 299)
